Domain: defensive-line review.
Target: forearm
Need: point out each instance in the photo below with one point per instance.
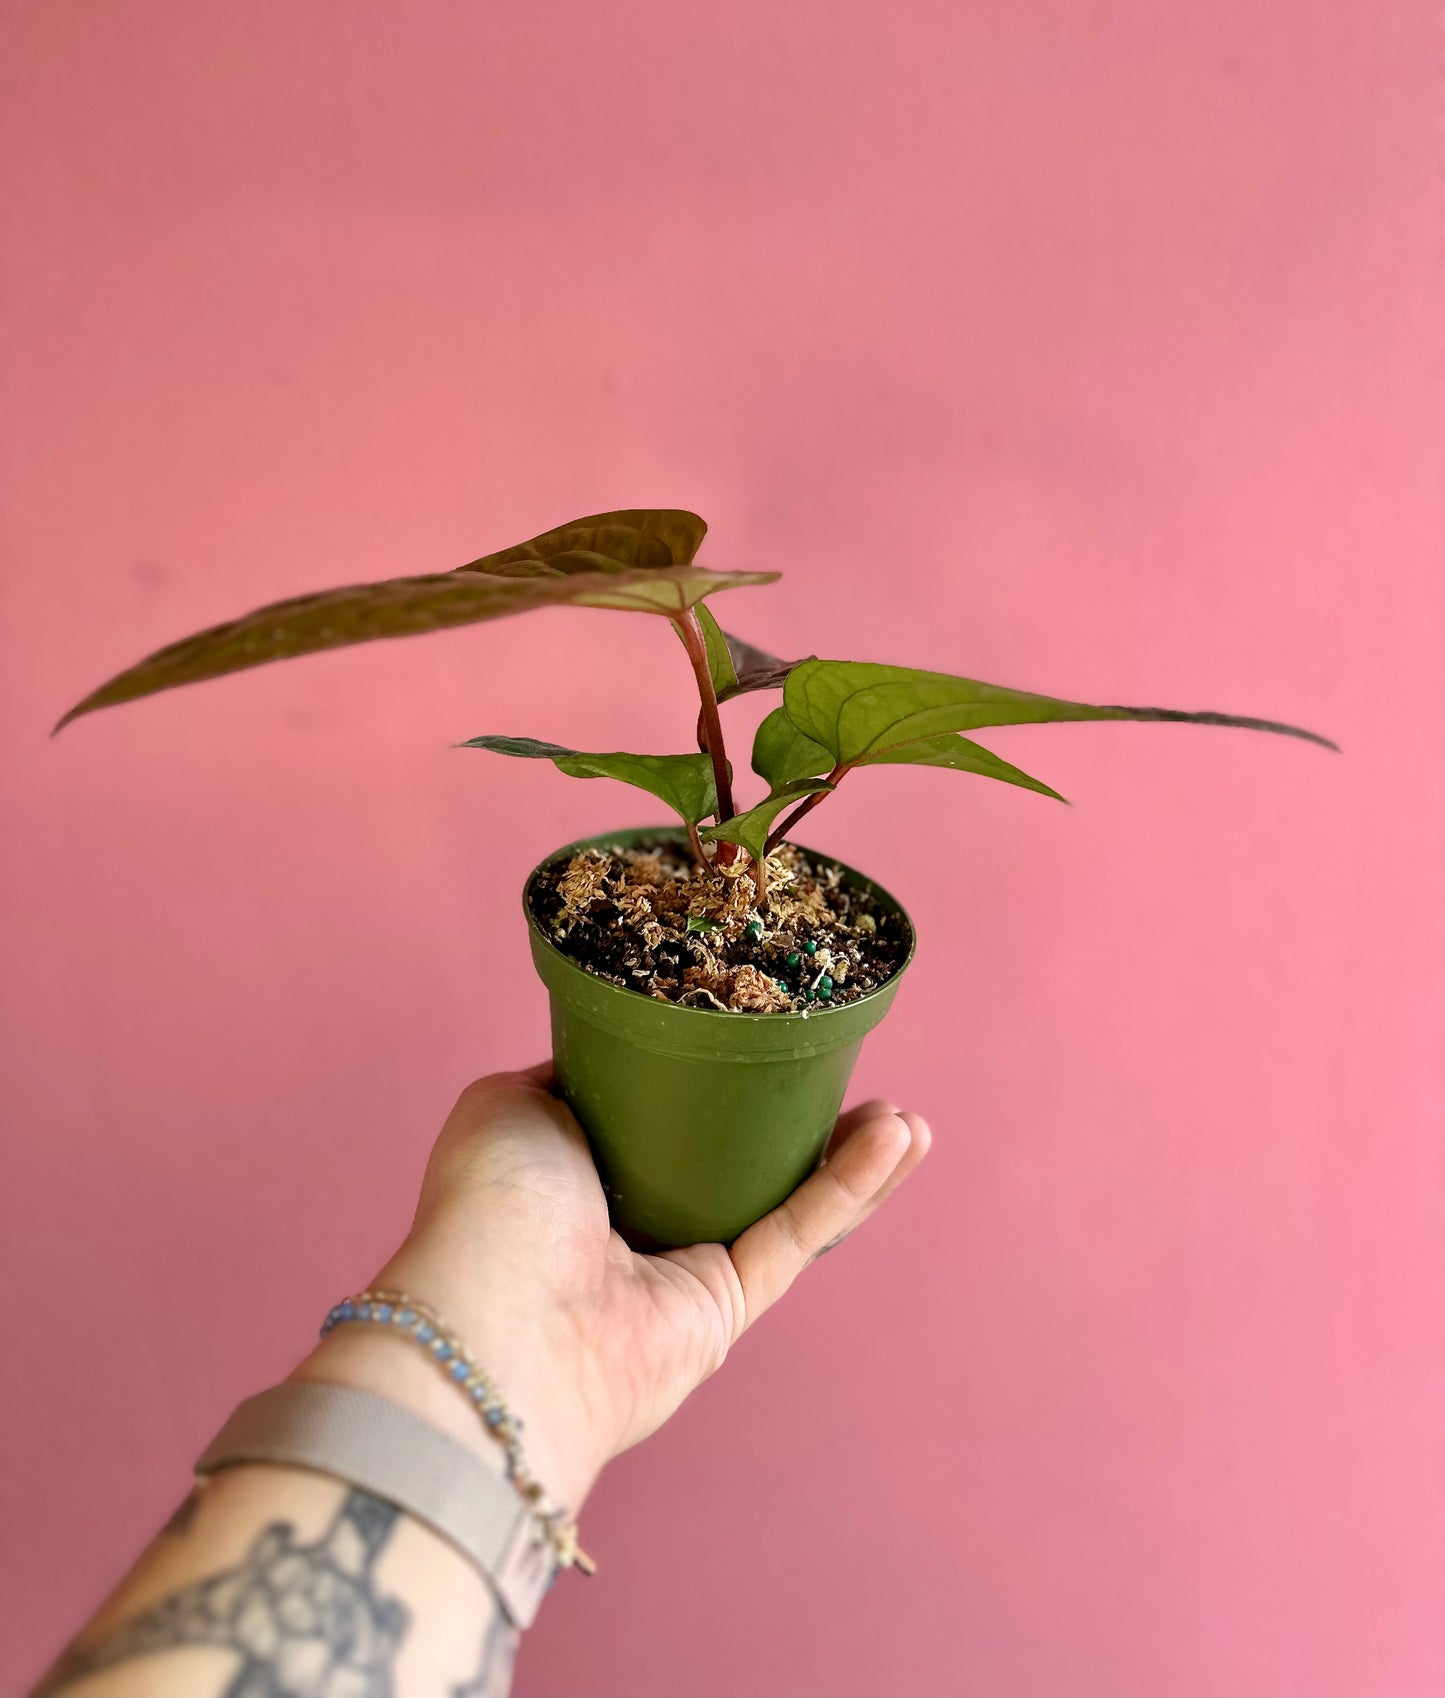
(275, 1581)
(281, 1581)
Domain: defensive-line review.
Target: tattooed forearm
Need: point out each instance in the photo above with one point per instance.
(493, 1678)
(185, 1512)
(305, 1621)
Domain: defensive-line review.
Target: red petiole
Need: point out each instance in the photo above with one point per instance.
(711, 725)
(806, 806)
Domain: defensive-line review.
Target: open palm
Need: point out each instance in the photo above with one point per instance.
(596, 1344)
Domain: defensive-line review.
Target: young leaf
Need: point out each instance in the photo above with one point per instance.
(634, 561)
(855, 708)
(684, 782)
(782, 753)
(736, 667)
(753, 668)
(751, 829)
(961, 755)
(719, 658)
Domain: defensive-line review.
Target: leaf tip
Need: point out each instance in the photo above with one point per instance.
(1305, 736)
(1309, 737)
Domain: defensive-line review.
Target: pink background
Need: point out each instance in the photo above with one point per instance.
(1089, 348)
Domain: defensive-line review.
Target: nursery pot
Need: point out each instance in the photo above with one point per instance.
(700, 1120)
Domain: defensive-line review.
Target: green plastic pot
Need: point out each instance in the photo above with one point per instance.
(700, 1121)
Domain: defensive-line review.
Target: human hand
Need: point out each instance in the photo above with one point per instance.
(592, 1345)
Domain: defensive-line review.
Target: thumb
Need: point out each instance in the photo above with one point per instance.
(771, 1254)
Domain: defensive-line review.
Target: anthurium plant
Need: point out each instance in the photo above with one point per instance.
(721, 916)
(836, 716)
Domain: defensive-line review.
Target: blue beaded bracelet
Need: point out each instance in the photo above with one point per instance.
(408, 1318)
(425, 1330)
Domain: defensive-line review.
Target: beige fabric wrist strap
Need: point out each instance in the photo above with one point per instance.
(387, 1450)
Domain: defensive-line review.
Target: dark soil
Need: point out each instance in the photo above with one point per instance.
(651, 920)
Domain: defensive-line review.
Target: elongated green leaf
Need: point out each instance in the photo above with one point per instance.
(961, 755)
(856, 708)
(684, 782)
(554, 573)
(751, 829)
(782, 753)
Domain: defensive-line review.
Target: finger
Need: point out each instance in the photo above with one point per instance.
(874, 1109)
(920, 1141)
(495, 1104)
(480, 1100)
(508, 1130)
(771, 1254)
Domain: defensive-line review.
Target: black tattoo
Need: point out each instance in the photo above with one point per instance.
(305, 1620)
(494, 1674)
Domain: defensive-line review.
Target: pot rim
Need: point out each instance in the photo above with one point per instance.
(734, 1017)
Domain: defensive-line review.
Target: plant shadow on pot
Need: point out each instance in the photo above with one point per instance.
(700, 1120)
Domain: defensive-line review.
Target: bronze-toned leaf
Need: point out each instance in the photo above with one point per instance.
(753, 668)
(648, 537)
(403, 607)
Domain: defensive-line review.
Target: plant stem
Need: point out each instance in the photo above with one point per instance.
(699, 853)
(806, 806)
(691, 628)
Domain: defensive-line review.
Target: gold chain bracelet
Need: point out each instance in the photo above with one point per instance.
(415, 1320)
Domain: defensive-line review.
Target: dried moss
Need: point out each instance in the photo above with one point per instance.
(651, 920)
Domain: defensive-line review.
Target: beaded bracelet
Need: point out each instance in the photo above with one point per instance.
(414, 1320)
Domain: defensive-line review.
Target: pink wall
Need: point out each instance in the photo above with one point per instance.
(1094, 348)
